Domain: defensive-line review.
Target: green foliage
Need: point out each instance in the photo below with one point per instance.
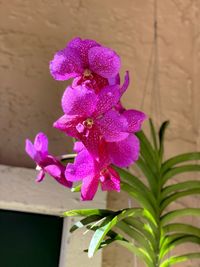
(149, 231)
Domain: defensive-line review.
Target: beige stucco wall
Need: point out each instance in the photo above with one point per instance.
(31, 31)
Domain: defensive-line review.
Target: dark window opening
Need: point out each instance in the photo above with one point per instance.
(29, 240)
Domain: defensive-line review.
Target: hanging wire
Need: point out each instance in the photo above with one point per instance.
(155, 109)
(156, 105)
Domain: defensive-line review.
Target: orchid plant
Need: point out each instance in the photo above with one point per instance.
(108, 140)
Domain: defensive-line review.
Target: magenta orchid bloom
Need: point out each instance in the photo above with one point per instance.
(95, 116)
(91, 172)
(45, 162)
(89, 117)
(86, 169)
(87, 60)
(125, 152)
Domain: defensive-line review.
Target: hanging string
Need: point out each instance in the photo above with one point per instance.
(155, 109)
(156, 106)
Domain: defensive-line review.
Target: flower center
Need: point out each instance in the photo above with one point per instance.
(104, 171)
(88, 123)
(87, 73)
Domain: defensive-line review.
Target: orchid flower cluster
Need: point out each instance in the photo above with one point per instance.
(93, 114)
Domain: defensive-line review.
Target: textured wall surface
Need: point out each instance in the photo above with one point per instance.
(31, 31)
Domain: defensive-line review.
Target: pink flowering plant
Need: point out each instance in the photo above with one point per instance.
(108, 140)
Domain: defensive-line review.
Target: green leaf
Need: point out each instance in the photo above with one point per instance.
(182, 228)
(192, 184)
(147, 152)
(178, 195)
(88, 220)
(179, 213)
(151, 178)
(141, 253)
(180, 159)
(178, 241)
(144, 140)
(138, 237)
(141, 199)
(87, 212)
(139, 185)
(105, 243)
(178, 259)
(112, 237)
(161, 137)
(76, 188)
(106, 226)
(177, 170)
(143, 228)
(153, 134)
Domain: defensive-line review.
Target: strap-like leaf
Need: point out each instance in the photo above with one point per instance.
(182, 258)
(180, 159)
(151, 178)
(138, 184)
(161, 137)
(142, 228)
(87, 212)
(141, 253)
(153, 134)
(148, 147)
(137, 237)
(178, 214)
(180, 187)
(106, 226)
(182, 228)
(84, 222)
(177, 170)
(178, 195)
(140, 198)
(178, 241)
(112, 237)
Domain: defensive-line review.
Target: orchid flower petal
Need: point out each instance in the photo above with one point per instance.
(79, 101)
(126, 83)
(107, 98)
(82, 47)
(104, 61)
(134, 119)
(67, 124)
(66, 64)
(111, 183)
(125, 152)
(89, 187)
(41, 143)
(112, 126)
(40, 176)
(82, 167)
(30, 149)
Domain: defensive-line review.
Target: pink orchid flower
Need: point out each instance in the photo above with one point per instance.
(91, 173)
(87, 60)
(90, 117)
(45, 162)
